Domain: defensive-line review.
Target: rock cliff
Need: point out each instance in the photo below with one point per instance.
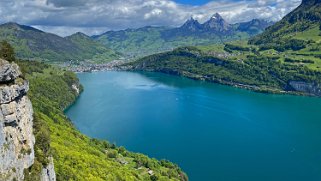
(16, 123)
(308, 88)
(48, 173)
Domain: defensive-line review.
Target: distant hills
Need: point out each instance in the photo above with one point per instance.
(150, 40)
(95, 51)
(286, 58)
(34, 44)
(31, 43)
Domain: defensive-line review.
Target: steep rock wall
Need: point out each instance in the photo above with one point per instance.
(16, 123)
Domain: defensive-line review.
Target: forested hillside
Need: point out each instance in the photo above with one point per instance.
(76, 156)
(247, 70)
(295, 31)
(284, 59)
(33, 44)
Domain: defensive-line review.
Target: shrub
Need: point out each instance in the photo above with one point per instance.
(7, 51)
(112, 153)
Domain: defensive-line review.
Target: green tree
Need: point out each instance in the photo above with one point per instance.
(7, 51)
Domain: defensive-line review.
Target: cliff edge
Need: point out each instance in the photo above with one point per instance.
(16, 124)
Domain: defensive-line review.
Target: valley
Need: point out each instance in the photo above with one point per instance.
(287, 63)
(232, 96)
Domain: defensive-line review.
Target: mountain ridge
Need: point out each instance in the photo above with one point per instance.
(305, 17)
(34, 44)
(285, 58)
(148, 40)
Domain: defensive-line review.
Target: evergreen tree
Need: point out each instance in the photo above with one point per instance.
(7, 51)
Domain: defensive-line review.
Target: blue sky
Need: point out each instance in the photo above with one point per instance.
(65, 17)
(193, 2)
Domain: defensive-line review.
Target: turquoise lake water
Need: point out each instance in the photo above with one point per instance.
(213, 132)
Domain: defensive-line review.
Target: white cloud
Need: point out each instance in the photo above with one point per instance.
(154, 13)
(94, 16)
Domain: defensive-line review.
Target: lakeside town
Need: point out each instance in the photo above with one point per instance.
(78, 67)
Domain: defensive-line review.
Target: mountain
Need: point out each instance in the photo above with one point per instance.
(134, 42)
(191, 25)
(92, 49)
(254, 27)
(285, 58)
(31, 43)
(150, 40)
(217, 24)
(301, 24)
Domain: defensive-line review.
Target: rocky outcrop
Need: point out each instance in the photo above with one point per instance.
(8, 72)
(16, 123)
(308, 88)
(48, 173)
(75, 88)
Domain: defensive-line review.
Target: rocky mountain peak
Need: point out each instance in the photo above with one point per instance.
(191, 25)
(216, 17)
(217, 23)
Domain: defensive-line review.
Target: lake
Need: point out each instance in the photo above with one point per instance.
(213, 132)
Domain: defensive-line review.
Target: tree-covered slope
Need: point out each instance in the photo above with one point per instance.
(31, 43)
(135, 42)
(236, 65)
(285, 58)
(92, 50)
(303, 19)
(76, 156)
(150, 40)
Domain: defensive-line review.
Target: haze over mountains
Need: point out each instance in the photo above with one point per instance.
(34, 44)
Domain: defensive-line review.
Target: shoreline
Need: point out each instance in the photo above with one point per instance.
(256, 89)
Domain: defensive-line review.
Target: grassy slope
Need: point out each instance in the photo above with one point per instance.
(76, 156)
(296, 25)
(303, 25)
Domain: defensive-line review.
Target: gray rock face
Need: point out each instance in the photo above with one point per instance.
(9, 93)
(8, 72)
(75, 88)
(309, 88)
(48, 173)
(16, 121)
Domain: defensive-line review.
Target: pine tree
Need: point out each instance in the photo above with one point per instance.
(7, 51)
